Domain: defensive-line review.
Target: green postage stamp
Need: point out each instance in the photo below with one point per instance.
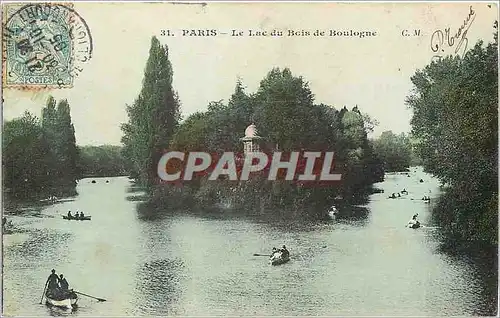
(44, 45)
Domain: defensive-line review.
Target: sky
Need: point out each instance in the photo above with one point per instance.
(371, 72)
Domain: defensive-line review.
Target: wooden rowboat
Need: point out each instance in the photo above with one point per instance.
(49, 199)
(332, 212)
(85, 218)
(413, 224)
(65, 300)
(278, 259)
(8, 228)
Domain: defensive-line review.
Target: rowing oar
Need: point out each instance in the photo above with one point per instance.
(44, 289)
(99, 299)
(261, 255)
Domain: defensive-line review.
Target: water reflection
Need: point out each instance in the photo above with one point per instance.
(482, 262)
(157, 284)
(136, 193)
(354, 215)
(60, 312)
(42, 243)
(149, 261)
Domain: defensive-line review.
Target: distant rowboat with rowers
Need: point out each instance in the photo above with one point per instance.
(85, 218)
(279, 258)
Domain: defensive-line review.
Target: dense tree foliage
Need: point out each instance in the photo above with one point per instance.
(394, 150)
(153, 117)
(455, 105)
(40, 156)
(286, 117)
(60, 135)
(26, 156)
(218, 129)
(102, 161)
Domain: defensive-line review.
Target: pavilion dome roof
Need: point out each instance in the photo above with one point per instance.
(251, 131)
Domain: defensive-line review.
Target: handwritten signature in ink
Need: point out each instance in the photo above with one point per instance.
(442, 39)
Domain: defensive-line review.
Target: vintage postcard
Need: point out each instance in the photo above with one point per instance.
(249, 159)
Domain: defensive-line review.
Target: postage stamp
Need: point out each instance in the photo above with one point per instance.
(45, 45)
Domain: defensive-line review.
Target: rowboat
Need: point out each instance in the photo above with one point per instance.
(332, 212)
(66, 300)
(49, 199)
(8, 228)
(278, 259)
(414, 224)
(85, 218)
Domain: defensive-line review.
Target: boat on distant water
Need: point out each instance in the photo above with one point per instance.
(85, 218)
(50, 199)
(332, 212)
(8, 227)
(61, 299)
(279, 258)
(414, 225)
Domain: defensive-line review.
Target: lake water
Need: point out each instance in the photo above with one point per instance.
(364, 263)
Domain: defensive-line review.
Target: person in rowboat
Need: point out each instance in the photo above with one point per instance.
(82, 215)
(69, 214)
(63, 283)
(275, 250)
(285, 252)
(414, 222)
(53, 280)
(77, 215)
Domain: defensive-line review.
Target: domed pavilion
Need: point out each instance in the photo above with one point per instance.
(251, 140)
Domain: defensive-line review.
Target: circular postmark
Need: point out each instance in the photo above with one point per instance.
(45, 45)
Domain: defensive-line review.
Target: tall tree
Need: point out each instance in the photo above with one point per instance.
(60, 135)
(51, 136)
(361, 165)
(40, 156)
(68, 152)
(25, 157)
(283, 107)
(153, 118)
(241, 105)
(455, 105)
